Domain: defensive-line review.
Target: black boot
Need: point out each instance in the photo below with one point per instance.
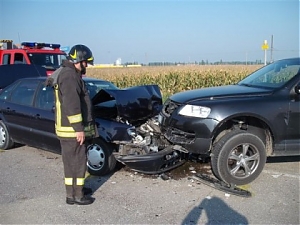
(70, 201)
(87, 191)
(85, 200)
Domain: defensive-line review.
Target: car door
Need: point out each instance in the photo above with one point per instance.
(293, 128)
(43, 121)
(30, 119)
(18, 111)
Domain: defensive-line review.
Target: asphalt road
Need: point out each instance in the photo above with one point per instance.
(32, 192)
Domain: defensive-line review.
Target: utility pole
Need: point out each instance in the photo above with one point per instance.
(272, 48)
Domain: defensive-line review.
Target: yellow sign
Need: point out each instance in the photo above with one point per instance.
(265, 45)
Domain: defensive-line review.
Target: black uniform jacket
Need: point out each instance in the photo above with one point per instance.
(73, 108)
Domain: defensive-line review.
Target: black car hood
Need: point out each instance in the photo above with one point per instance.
(226, 91)
(134, 103)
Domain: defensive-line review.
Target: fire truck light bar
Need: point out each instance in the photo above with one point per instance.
(40, 45)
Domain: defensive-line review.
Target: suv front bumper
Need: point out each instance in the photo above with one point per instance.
(194, 134)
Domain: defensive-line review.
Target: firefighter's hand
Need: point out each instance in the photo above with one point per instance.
(80, 137)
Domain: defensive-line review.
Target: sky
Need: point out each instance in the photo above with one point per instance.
(147, 31)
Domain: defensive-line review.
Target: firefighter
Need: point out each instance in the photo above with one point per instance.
(74, 122)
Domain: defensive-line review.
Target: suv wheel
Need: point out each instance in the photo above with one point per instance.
(5, 140)
(238, 157)
(100, 160)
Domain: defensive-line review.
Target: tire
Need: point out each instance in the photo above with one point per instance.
(100, 160)
(5, 139)
(238, 157)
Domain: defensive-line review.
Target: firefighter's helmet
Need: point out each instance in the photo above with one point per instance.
(79, 53)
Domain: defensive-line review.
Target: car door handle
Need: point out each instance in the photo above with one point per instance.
(10, 110)
(38, 116)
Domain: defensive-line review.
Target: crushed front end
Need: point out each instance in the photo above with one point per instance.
(128, 119)
(149, 152)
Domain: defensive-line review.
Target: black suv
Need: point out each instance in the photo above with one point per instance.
(239, 125)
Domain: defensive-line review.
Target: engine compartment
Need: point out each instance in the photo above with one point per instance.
(149, 151)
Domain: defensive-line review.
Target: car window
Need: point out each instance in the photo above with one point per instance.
(45, 98)
(48, 60)
(96, 85)
(279, 75)
(19, 59)
(5, 93)
(24, 92)
(273, 75)
(6, 59)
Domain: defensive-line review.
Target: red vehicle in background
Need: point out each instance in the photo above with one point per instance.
(43, 54)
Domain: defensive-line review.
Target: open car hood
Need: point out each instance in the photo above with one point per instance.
(133, 104)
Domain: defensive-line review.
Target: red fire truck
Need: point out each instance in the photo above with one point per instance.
(44, 54)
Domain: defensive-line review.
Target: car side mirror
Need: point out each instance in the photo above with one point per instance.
(297, 89)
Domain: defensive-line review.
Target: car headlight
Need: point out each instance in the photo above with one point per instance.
(195, 111)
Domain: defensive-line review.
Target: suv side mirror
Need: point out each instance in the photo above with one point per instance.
(297, 89)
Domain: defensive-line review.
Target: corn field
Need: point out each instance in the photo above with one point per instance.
(173, 79)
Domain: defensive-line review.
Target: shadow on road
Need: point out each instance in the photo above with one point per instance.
(95, 182)
(217, 212)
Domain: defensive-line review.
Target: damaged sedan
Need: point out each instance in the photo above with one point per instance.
(126, 120)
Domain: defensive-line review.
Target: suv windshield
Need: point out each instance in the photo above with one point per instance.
(273, 75)
(50, 61)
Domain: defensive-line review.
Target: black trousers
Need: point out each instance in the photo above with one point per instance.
(74, 160)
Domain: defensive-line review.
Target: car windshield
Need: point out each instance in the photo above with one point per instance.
(94, 86)
(50, 61)
(273, 75)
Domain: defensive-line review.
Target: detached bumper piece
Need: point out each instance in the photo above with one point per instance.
(221, 186)
(155, 162)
